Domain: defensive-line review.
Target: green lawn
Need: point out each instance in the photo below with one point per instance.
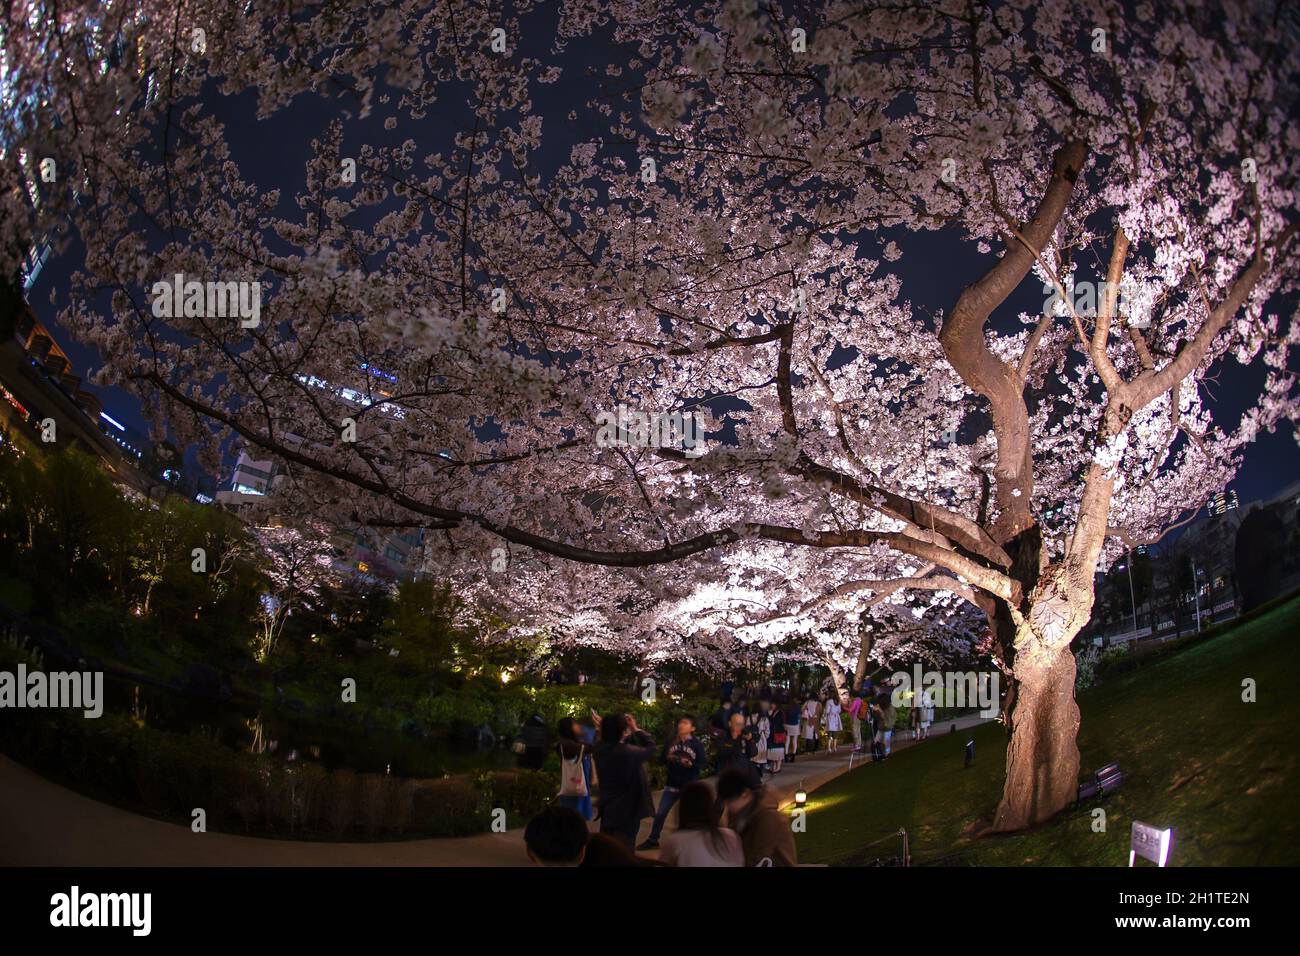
(1222, 772)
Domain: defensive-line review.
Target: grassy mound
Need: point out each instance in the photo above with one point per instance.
(1222, 772)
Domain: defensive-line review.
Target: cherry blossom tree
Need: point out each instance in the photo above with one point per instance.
(718, 224)
(299, 567)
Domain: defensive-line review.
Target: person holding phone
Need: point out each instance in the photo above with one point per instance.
(620, 756)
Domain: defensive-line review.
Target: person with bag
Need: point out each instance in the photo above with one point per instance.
(776, 745)
(684, 756)
(856, 707)
(575, 768)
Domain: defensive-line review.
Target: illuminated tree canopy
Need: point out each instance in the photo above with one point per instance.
(708, 211)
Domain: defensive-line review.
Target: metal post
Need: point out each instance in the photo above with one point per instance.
(1131, 599)
(1196, 594)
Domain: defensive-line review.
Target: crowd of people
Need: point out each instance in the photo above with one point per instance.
(777, 727)
(732, 823)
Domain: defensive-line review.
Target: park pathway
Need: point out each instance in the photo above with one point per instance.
(44, 824)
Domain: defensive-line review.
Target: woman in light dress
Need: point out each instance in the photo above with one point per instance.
(811, 711)
(831, 720)
(927, 713)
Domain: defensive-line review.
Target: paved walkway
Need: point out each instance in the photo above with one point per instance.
(44, 824)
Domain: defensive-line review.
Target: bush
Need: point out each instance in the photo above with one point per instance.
(446, 807)
(340, 800)
(1085, 667)
(377, 794)
(524, 793)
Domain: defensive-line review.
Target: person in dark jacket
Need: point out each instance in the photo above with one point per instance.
(736, 750)
(685, 758)
(790, 715)
(620, 766)
(877, 731)
(533, 737)
(764, 831)
(721, 717)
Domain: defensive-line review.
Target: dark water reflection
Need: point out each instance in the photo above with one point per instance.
(332, 743)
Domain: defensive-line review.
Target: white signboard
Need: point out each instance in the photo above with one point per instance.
(1149, 843)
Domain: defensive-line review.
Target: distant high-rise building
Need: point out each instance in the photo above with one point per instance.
(252, 479)
(1222, 503)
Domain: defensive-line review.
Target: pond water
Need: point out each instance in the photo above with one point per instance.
(247, 727)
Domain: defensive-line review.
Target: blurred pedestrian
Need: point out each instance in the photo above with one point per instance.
(699, 839)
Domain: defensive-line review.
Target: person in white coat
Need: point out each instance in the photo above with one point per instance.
(810, 713)
(832, 721)
(927, 713)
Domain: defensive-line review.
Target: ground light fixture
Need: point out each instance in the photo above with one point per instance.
(1106, 781)
(800, 796)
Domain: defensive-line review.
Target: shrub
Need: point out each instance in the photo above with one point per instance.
(378, 798)
(340, 801)
(445, 807)
(1085, 667)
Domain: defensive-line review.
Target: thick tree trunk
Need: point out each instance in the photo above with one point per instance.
(839, 677)
(864, 659)
(1042, 755)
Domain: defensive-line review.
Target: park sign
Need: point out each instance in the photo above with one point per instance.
(1149, 843)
